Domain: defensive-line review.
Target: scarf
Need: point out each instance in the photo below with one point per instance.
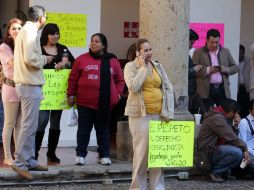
(103, 111)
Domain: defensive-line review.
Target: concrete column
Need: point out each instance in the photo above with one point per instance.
(165, 24)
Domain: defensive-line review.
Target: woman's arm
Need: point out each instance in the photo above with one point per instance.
(134, 76)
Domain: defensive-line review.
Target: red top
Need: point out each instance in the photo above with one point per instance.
(84, 81)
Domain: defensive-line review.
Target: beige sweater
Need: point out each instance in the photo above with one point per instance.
(134, 76)
(28, 58)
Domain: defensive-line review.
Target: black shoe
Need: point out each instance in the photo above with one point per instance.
(38, 140)
(53, 139)
(53, 158)
(216, 179)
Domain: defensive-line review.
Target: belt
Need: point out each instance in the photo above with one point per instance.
(216, 85)
(33, 85)
(8, 82)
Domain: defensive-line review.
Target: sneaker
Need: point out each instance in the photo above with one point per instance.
(23, 173)
(215, 178)
(80, 160)
(105, 161)
(39, 168)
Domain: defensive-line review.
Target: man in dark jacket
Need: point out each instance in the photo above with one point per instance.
(217, 140)
(218, 64)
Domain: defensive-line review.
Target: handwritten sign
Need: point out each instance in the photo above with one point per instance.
(73, 28)
(202, 28)
(171, 144)
(54, 90)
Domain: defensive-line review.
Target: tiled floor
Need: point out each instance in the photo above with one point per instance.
(67, 156)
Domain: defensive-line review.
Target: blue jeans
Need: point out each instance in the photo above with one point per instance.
(86, 120)
(45, 115)
(1, 117)
(224, 158)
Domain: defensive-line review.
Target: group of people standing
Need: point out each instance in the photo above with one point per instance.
(95, 85)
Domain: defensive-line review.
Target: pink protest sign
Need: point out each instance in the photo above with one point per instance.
(202, 28)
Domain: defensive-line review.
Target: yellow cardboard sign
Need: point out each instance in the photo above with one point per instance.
(171, 144)
(54, 90)
(73, 28)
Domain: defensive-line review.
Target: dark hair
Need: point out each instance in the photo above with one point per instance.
(104, 41)
(131, 53)
(230, 105)
(35, 12)
(193, 35)
(49, 28)
(251, 104)
(241, 47)
(212, 33)
(7, 37)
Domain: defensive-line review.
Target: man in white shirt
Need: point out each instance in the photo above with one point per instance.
(246, 133)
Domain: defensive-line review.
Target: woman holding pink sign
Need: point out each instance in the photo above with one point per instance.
(150, 97)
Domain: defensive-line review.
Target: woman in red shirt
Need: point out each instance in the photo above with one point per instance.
(96, 84)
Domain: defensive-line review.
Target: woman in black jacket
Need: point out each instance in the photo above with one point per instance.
(50, 46)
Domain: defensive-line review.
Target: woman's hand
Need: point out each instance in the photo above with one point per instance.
(61, 65)
(71, 101)
(141, 59)
(166, 120)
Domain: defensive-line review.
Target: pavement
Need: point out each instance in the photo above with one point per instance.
(67, 171)
(117, 176)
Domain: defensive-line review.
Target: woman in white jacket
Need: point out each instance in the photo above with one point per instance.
(150, 98)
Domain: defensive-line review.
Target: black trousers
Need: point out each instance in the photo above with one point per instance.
(216, 96)
(196, 105)
(86, 121)
(243, 99)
